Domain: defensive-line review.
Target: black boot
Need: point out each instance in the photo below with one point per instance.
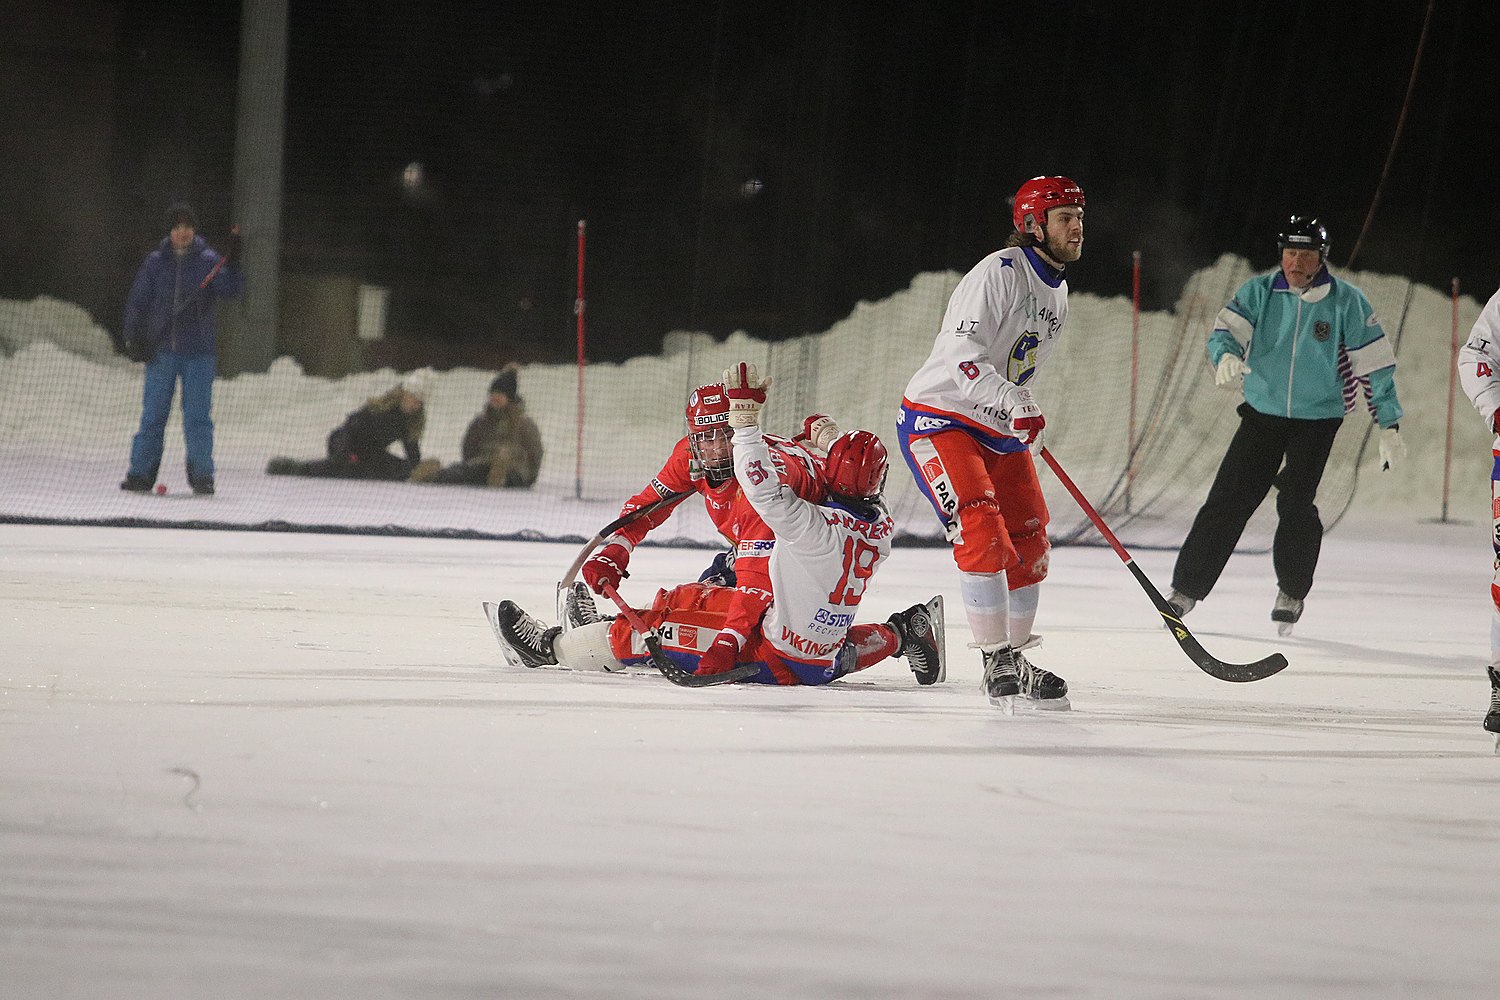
(1492, 719)
(920, 629)
(137, 484)
(525, 641)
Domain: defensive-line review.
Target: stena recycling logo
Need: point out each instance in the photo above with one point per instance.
(932, 469)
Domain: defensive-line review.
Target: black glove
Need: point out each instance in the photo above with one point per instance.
(231, 248)
(139, 349)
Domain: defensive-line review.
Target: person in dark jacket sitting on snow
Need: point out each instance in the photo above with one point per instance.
(502, 446)
(357, 447)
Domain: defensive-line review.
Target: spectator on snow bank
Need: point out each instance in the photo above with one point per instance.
(169, 324)
(502, 446)
(357, 447)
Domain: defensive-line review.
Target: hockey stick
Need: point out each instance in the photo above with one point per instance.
(212, 274)
(605, 532)
(1237, 673)
(669, 669)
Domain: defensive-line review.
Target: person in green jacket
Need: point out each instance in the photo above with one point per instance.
(1302, 343)
(502, 445)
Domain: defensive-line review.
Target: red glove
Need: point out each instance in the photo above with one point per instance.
(607, 567)
(720, 656)
(1029, 429)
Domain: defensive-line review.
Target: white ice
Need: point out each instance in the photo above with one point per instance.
(249, 765)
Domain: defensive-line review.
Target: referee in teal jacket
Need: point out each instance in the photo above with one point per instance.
(1303, 342)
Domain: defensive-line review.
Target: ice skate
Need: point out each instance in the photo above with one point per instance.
(579, 607)
(525, 641)
(1040, 688)
(920, 629)
(1001, 682)
(1286, 612)
(1492, 718)
(1180, 602)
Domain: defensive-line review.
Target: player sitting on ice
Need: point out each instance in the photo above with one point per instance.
(703, 462)
(822, 558)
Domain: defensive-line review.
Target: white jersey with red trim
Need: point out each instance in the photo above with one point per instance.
(1002, 322)
(821, 559)
(1479, 365)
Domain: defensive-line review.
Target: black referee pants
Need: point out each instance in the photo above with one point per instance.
(1251, 466)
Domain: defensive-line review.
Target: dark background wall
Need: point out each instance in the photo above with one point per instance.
(761, 166)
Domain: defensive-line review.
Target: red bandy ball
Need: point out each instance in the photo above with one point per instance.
(161, 489)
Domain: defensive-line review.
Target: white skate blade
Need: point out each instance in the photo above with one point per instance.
(1045, 704)
(1497, 745)
(1006, 704)
(1284, 629)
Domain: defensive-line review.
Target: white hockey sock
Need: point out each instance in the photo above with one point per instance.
(586, 648)
(1023, 602)
(986, 605)
(1495, 637)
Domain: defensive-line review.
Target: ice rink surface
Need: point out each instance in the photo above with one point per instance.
(248, 765)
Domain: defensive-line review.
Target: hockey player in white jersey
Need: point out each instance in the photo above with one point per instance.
(1479, 373)
(822, 559)
(968, 417)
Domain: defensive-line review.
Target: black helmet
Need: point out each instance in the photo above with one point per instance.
(1304, 232)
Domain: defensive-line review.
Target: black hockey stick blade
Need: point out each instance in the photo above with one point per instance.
(669, 669)
(1235, 673)
(677, 675)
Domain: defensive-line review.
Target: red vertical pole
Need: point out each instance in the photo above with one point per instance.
(578, 311)
(1135, 370)
(1452, 378)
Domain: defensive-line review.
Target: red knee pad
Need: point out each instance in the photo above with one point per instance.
(982, 545)
(1033, 551)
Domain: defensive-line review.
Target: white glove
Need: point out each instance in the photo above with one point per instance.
(820, 431)
(1392, 448)
(1230, 371)
(747, 394)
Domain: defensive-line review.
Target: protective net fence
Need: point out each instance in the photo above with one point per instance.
(69, 406)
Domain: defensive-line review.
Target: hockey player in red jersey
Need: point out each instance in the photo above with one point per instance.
(703, 462)
(821, 558)
(968, 418)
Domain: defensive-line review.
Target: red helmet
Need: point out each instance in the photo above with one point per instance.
(707, 418)
(856, 466)
(707, 407)
(1039, 194)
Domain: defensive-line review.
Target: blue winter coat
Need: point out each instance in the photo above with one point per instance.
(169, 308)
(1306, 351)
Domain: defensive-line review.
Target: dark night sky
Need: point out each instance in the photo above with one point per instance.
(885, 138)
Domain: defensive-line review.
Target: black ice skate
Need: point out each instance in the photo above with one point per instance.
(1492, 718)
(1040, 688)
(1180, 602)
(1286, 612)
(920, 629)
(525, 641)
(1001, 682)
(579, 607)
